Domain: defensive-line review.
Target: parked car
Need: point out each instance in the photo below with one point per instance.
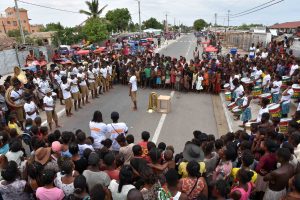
(64, 49)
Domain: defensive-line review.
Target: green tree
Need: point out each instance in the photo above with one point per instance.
(53, 27)
(95, 30)
(94, 10)
(15, 33)
(68, 36)
(152, 23)
(119, 19)
(199, 24)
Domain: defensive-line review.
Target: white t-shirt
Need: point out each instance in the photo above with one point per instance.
(17, 94)
(44, 85)
(298, 107)
(264, 55)
(276, 84)
(91, 77)
(30, 107)
(57, 78)
(293, 68)
(116, 195)
(82, 147)
(98, 132)
(74, 86)
(287, 98)
(114, 129)
(133, 83)
(66, 94)
(82, 76)
(49, 101)
(109, 69)
(266, 79)
(103, 71)
(14, 156)
(239, 91)
(260, 112)
(257, 74)
(252, 51)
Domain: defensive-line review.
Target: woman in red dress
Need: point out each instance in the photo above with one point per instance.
(217, 82)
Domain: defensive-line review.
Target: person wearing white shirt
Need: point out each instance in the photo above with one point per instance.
(266, 82)
(49, 106)
(133, 89)
(252, 50)
(98, 130)
(43, 85)
(109, 76)
(275, 88)
(104, 74)
(264, 54)
(16, 96)
(30, 108)
(92, 81)
(264, 109)
(114, 129)
(83, 86)
(66, 88)
(75, 91)
(293, 68)
(285, 101)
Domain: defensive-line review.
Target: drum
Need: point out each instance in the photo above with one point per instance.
(228, 96)
(258, 82)
(231, 105)
(266, 95)
(284, 124)
(275, 110)
(226, 86)
(257, 90)
(236, 111)
(246, 81)
(296, 88)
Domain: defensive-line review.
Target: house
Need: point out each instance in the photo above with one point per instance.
(287, 27)
(9, 21)
(46, 37)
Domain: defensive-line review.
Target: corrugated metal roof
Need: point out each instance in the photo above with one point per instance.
(295, 24)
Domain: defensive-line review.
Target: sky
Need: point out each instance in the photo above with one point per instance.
(178, 11)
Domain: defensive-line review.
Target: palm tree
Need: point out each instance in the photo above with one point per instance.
(93, 9)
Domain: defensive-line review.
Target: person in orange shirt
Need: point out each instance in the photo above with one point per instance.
(144, 142)
(206, 81)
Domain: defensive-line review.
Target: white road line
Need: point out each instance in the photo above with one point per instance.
(59, 114)
(160, 123)
(187, 53)
(228, 119)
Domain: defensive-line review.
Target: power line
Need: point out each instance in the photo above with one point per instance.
(253, 8)
(42, 6)
(258, 9)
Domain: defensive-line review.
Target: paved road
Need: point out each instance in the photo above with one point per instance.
(189, 111)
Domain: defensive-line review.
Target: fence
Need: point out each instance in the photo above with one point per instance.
(243, 40)
(11, 58)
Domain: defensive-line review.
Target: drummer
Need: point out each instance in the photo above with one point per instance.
(246, 114)
(275, 88)
(256, 73)
(266, 82)
(237, 92)
(286, 100)
(263, 109)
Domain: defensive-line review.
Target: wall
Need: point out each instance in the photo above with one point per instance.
(243, 40)
(8, 59)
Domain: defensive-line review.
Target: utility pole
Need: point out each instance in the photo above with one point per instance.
(216, 19)
(140, 22)
(228, 18)
(166, 22)
(19, 21)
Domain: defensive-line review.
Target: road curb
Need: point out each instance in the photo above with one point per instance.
(226, 113)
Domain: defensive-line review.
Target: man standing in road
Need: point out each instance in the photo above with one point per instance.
(133, 89)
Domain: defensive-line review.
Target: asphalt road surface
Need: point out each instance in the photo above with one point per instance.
(189, 112)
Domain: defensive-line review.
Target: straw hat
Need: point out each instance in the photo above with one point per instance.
(42, 155)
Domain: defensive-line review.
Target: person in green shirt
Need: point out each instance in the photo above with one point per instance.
(147, 71)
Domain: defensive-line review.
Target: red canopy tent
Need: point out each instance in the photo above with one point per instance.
(211, 49)
(100, 50)
(206, 42)
(83, 52)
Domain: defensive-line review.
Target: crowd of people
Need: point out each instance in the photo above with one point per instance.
(110, 163)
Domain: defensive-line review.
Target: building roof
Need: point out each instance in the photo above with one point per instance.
(295, 24)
